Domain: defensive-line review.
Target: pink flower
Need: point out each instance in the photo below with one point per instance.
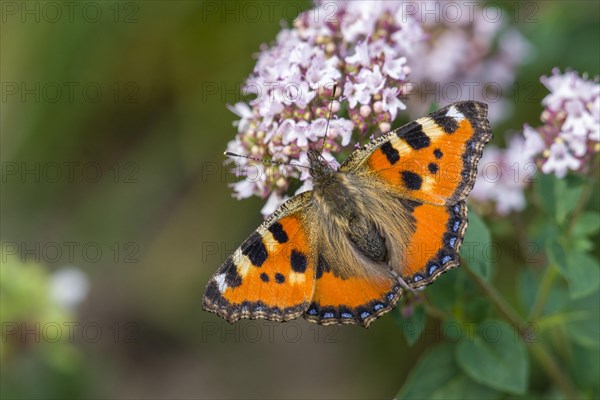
(560, 160)
(370, 50)
(360, 56)
(391, 103)
(473, 66)
(567, 140)
(534, 144)
(356, 93)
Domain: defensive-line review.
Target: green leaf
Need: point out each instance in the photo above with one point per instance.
(478, 309)
(476, 247)
(445, 292)
(588, 223)
(414, 325)
(567, 197)
(558, 196)
(583, 275)
(528, 288)
(581, 244)
(546, 193)
(585, 367)
(437, 376)
(494, 358)
(557, 255)
(557, 298)
(583, 326)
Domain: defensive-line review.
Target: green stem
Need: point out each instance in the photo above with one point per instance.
(563, 382)
(433, 311)
(543, 292)
(511, 315)
(546, 360)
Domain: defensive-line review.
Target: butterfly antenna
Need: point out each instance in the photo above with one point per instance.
(329, 116)
(230, 154)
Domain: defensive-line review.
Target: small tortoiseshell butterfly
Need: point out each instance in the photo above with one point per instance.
(392, 215)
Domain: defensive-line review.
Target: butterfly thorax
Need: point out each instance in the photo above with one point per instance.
(339, 204)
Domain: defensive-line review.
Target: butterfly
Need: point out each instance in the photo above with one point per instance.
(391, 217)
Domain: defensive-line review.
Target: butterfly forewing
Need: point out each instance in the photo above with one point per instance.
(271, 275)
(433, 159)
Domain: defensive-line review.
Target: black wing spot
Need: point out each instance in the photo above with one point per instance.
(390, 152)
(438, 153)
(411, 180)
(298, 261)
(433, 167)
(410, 204)
(279, 278)
(278, 233)
(232, 277)
(264, 277)
(448, 124)
(416, 138)
(322, 266)
(255, 249)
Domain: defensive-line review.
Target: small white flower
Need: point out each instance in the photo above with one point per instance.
(301, 54)
(562, 88)
(360, 56)
(306, 186)
(534, 144)
(391, 102)
(275, 200)
(576, 143)
(343, 128)
(243, 111)
(503, 175)
(331, 160)
(374, 79)
(356, 93)
(322, 71)
(69, 286)
(560, 160)
(244, 188)
(395, 68)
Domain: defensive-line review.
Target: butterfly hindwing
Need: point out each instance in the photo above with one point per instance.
(271, 275)
(433, 159)
(433, 248)
(350, 300)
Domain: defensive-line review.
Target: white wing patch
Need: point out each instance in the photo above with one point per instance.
(454, 113)
(220, 279)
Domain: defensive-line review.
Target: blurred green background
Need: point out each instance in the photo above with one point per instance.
(113, 124)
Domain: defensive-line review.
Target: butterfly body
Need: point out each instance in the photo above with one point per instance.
(393, 213)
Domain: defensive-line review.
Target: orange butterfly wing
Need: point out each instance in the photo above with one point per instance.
(434, 246)
(431, 163)
(271, 275)
(350, 300)
(433, 159)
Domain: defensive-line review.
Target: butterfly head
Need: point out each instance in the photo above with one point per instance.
(320, 170)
